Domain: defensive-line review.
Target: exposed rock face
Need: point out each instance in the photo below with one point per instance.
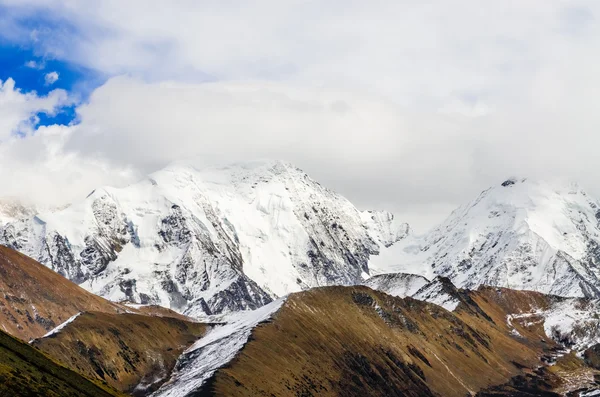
(208, 241)
(520, 234)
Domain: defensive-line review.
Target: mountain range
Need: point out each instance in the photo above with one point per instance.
(194, 280)
(208, 241)
(520, 234)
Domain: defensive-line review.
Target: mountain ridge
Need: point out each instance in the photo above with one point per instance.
(519, 234)
(208, 241)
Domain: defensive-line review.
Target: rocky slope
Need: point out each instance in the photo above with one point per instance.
(520, 234)
(208, 241)
(34, 299)
(348, 341)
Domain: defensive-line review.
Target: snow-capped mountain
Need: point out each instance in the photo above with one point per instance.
(12, 209)
(439, 291)
(397, 284)
(520, 234)
(207, 241)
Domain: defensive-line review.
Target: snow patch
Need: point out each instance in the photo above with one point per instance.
(61, 326)
(218, 347)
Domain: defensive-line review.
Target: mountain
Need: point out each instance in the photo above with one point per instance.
(571, 321)
(26, 372)
(520, 234)
(131, 352)
(208, 241)
(34, 299)
(349, 341)
(397, 284)
(12, 209)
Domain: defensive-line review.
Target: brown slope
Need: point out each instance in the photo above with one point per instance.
(125, 350)
(159, 311)
(25, 371)
(350, 341)
(34, 299)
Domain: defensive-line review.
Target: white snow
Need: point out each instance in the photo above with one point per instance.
(435, 293)
(258, 218)
(414, 286)
(61, 326)
(526, 235)
(397, 284)
(575, 321)
(218, 347)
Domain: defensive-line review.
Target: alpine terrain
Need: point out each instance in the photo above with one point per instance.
(208, 241)
(354, 341)
(520, 234)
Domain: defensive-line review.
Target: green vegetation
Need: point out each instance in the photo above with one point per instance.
(25, 371)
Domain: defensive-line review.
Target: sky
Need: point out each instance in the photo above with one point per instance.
(408, 106)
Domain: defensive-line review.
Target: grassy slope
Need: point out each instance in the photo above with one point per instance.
(35, 299)
(348, 341)
(25, 371)
(122, 349)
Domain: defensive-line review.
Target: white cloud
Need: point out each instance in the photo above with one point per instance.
(51, 78)
(18, 110)
(34, 164)
(421, 54)
(409, 105)
(35, 65)
(38, 169)
(374, 151)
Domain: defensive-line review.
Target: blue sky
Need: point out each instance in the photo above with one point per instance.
(20, 63)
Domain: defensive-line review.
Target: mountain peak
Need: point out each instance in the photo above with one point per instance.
(209, 240)
(520, 234)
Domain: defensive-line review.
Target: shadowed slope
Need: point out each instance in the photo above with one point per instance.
(24, 371)
(132, 352)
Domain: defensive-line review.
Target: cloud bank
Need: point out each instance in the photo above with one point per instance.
(401, 105)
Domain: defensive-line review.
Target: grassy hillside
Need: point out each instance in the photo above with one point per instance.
(125, 350)
(349, 341)
(25, 371)
(35, 299)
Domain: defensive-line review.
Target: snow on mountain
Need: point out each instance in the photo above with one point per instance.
(571, 322)
(520, 234)
(213, 351)
(61, 326)
(12, 209)
(439, 291)
(384, 227)
(207, 241)
(397, 284)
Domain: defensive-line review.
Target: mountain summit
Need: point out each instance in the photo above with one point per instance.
(206, 241)
(520, 234)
